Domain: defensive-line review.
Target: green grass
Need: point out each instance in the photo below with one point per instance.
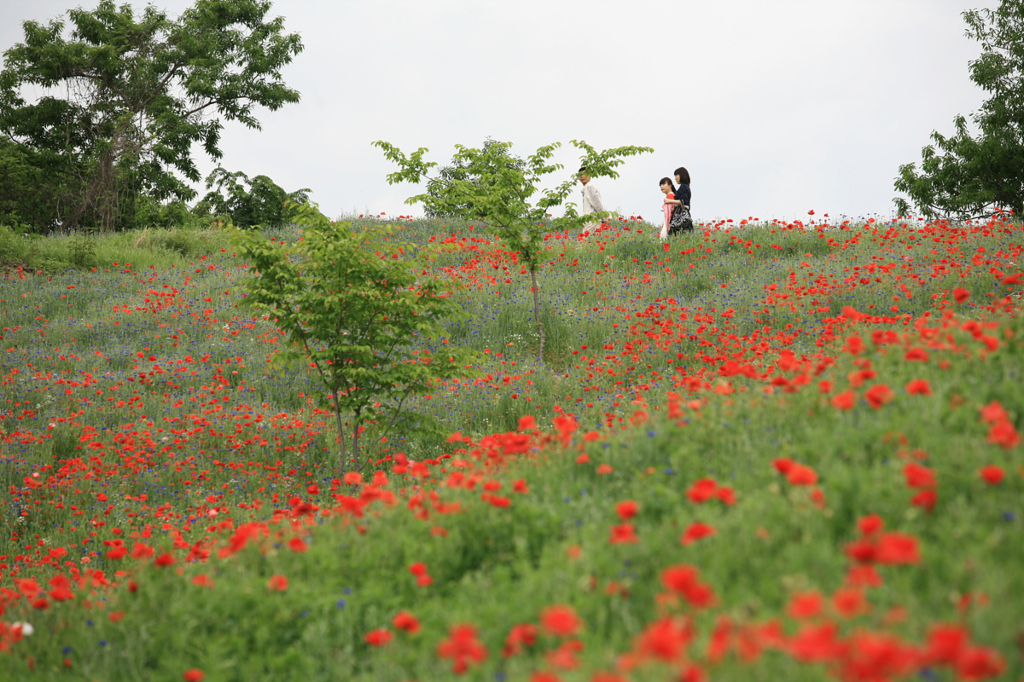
(610, 354)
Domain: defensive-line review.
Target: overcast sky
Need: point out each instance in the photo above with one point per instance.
(776, 107)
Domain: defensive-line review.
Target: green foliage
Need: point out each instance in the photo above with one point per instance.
(967, 176)
(125, 99)
(500, 190)
(263, 203)
(356, 309)
(463, 170)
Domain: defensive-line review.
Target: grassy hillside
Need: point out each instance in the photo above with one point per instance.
(777, 451)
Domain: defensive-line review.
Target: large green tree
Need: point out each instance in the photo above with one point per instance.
(121, 100)
(969, 175)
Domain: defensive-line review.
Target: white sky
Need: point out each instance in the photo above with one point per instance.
(776, 107)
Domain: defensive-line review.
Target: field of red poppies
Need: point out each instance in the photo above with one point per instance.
(763, 451)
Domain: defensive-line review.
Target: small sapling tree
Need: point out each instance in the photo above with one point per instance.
(354, 307)
(503, 195)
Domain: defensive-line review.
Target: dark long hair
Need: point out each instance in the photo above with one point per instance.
(670, 184)
(684, 175)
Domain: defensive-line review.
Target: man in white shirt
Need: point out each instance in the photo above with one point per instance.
(591, 202)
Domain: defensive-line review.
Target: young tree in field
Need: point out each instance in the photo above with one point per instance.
(119, 102)
(504, 195)
(355, 309)
(966, 176)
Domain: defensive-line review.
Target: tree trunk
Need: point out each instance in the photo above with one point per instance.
(536, 311)
(341, 432)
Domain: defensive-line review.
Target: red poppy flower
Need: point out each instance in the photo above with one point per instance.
(800, 474)
(960, 295)
(527, 423)
(626, 509)
(560, 620)
(805, 605)
(845, 400)
(897, 548)
(463, 647)
(518, 636)
(165, 559)
(878, 395)
(378, 637)
(1004, 434)
(697, 531)
(684, 581)
(918, 476)
(925, 499)
(872, 523)
(193, 675)
(624, 533)
(992, 474)
(297, 544)
(919, 387)
(406, 622)
(278, 583)
(993, 413)
(702, 490)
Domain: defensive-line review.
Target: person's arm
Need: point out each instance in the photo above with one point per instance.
(595, 198)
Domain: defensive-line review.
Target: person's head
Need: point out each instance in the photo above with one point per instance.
(583, 175)
(666, 186)
(682, 176)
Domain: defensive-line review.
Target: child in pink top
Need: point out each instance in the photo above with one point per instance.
(669, 189)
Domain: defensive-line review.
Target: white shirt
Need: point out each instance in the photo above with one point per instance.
(591, 198)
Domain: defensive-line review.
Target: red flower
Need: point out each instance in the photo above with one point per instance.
(782, 464)
(277, 583)
(626, 509)
(684, 581)
(193, 675)
(726, 494)
(1004, 434)
(925, 499)
(960, 295)
(697, 531)
(878, 395)
(297, 544)
(897, 548)
(60, 588)
(801, 475)
(849, 602)
(992, 474)
(872, 523)
(165, 559)
(462, 647)
(378, 637)
(805, 605)
(918, 476)
(624, 533)
(406, 622)
(993, 413)
(417, 569)
(845, 400)
(916, 355)
(702, 490)
(665, 639)
(605, 469)
(919, 387)
(519, 635)
(560, 620)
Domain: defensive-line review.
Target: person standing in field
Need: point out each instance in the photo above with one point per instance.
(591, 202)
(681, 199)
(670, 193)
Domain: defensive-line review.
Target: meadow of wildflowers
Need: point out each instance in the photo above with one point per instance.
(761, 451)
